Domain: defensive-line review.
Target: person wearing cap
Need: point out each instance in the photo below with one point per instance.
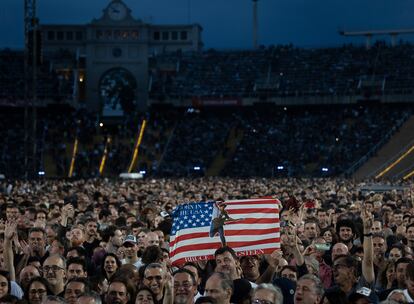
(363, 295)
(131, 251)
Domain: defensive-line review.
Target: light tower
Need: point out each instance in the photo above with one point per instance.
(255, 24)
(30, 87)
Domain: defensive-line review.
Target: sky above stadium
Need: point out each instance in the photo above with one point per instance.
(228, 23)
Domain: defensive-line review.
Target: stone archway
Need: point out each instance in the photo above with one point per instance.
(117, 88)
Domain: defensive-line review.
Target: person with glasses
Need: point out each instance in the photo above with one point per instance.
(185, 287)
(37, 289)
(155, 278)
(54, 271)
(267, 294)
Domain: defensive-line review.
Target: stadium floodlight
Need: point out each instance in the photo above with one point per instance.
(41, 173)
(324, 169)
(143, 172)
(280, 167)
(197, 168)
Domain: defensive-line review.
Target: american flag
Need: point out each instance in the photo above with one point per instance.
(253, 229)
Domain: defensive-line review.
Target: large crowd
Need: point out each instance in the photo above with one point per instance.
(283, 71)
(301, 140)
(277, 71)
(96, 240)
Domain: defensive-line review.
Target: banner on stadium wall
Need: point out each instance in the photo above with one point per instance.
(214, 102)
(250, 227)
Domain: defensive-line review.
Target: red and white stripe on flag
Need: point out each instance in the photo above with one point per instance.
(254, 229)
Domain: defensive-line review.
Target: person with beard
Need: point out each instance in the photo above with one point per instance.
(76, 236)
(345, 229)
(54, 271)
(92, 238)
(185, 287)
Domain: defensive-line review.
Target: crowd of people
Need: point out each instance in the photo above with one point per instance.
(53, 85)
(96, 240)
(283, 70)
(278, 71)
(299, 140)
(180, 142)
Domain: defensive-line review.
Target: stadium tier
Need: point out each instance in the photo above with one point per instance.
(264, 141)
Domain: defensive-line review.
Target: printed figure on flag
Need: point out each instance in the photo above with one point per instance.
(252, 228)
(218, 220)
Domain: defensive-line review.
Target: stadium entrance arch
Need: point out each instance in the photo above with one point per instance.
(117, 90)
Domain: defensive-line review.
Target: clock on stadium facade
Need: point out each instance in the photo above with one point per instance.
(116, 41)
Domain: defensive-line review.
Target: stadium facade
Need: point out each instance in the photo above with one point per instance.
(112, 52)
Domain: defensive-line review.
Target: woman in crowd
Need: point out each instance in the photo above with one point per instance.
(38, 288)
